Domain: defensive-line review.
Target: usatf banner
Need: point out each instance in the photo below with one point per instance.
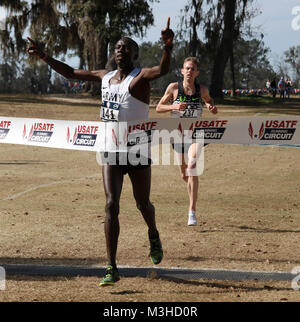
(113, 136)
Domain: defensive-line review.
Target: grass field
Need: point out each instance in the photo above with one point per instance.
(52, 212)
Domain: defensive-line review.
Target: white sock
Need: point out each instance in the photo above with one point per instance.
(192, 212)
(192, 221)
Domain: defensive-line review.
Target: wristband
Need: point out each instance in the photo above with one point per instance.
(44, 56)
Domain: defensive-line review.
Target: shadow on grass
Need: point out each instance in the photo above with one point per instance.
(22, 162)
(228, 286)
(52, 261)
(266, 230)
(254, 259)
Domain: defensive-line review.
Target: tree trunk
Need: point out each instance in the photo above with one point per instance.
(99, 60)
(197, 4)
(232, 73)
(224, 50)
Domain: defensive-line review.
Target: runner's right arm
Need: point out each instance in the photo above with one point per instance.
(64, 69)
(164, 106)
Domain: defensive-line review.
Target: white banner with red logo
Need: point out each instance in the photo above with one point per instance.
(49, 133)
(113, 136)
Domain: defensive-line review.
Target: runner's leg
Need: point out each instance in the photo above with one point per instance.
(180, 157)
(113, 182)
(193, 182)
(141, 185)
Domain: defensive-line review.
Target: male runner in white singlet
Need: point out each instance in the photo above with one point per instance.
(125, 97)
(185, 97)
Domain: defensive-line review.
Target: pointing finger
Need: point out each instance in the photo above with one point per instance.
(31, 40)
(168, 23)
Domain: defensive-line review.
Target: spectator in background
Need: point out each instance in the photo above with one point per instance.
(289, 87)
(268, 86)
(274, 87)
(282, 87)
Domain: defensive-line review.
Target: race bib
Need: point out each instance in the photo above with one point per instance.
(109, 111)
(191, 111)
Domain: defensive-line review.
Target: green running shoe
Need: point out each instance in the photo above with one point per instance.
(156, 251)
(111, 276)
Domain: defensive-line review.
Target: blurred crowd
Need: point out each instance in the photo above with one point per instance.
(283, 88)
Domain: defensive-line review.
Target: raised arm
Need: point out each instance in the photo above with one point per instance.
(157, 71)
(64, 69)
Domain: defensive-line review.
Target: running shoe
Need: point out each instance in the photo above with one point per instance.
(156, 251)
(111, 276)
(192, 221)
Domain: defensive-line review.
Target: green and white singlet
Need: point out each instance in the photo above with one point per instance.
(194, 108)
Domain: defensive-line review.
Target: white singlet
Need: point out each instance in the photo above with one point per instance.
(118, 104)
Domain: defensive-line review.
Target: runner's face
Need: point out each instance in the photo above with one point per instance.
(189, 71)
(124, 53)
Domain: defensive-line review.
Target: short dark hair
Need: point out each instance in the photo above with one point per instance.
(134, 45)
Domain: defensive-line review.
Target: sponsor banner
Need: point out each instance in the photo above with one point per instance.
(274, 130)
(83, 135)
(120, 136)
(4, 128)
(75, 135)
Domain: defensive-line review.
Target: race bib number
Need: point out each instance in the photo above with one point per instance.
(109, 111)
(191, 111)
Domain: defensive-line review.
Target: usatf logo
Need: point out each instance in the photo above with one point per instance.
(274, 130)
(139, 138)
(210, 129)
(140, 133)
(84, 135)
(145, 126)
(4, 129)
(39, 132)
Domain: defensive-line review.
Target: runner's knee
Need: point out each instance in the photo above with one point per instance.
(112, 208)
(145, 206)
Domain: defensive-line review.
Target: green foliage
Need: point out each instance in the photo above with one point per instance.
(32, 79)
(90, 28)
(292, 57)
(221, 22)
(150, 55)
(86, 26)
(252, 66)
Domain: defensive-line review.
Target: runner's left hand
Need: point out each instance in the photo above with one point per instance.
(213, 109)
(167, 34)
